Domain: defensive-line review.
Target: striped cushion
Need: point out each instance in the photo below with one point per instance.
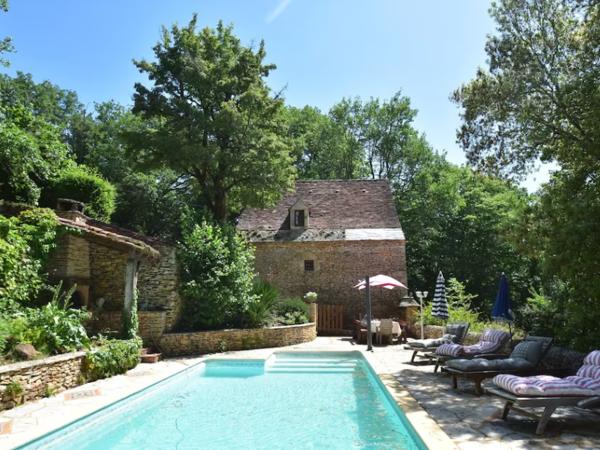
(586, 382)
(450, 350)
(491, 335)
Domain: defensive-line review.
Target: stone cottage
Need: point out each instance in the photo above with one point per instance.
(327, 235)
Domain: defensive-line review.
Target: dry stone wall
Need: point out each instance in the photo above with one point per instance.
(41, 377)
(107, 268)
(151, 324)
(338, 266)
(202, 342)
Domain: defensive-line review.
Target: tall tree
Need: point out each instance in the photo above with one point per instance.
(212, 118)
(5, 43)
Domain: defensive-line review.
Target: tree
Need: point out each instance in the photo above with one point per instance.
(539, 97)
(322, 148)
(5, 43)
(212, 119)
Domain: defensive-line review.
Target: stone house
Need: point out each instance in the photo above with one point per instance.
(325, 236)
(107, 264)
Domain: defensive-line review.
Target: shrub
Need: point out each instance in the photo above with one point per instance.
(111, 357)
(290, 311)
(84, 185)
(264, 298)
(26, 241)
(129, 319)
(52, 329)
(216, 277)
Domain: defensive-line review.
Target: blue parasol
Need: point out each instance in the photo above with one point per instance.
(502, 310)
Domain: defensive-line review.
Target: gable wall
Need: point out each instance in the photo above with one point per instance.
(339, 265)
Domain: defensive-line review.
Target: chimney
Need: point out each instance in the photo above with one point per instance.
(70, 209)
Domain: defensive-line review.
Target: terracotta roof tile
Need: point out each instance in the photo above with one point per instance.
(337, 205)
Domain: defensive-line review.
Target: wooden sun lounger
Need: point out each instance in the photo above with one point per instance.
(478, 377)
(440, 360)
(548, 403)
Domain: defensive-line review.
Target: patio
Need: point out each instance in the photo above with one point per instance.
(470, 421)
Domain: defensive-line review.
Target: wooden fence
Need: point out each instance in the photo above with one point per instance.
(330, 319)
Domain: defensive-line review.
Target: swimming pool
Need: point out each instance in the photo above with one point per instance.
(291, 400)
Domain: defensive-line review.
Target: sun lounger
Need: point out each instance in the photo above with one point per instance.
(491, 343)
(524, 360)
(453, 334)
(581, 390)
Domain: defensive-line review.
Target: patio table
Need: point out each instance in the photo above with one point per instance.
(396, 330)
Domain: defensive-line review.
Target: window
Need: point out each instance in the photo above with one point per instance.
(309, 265)
(299, 218)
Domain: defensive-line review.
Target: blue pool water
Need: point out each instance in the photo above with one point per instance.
(292, 401)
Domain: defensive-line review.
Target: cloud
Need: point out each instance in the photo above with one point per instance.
(278, 10)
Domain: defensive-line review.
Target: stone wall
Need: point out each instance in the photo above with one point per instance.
(158, 285)
(40, 377)
(197, 343)
(107, 268)
(151, 324)
(338, 266)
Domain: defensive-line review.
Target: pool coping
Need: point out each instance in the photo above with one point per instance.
(424, 426)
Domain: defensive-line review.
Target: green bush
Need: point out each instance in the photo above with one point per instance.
(290, 311)
(111, 357)
(130, 322)
(26, 242)
(84, 185)
(265, 296)
(52, 329)
(216, 277)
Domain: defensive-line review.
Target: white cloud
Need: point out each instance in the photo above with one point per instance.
(278, 10)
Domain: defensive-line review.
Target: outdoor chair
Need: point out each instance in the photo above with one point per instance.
(385, 331)
(453, 334)
(581, 390)
(491, 342)
(359, 332)
(524, 360)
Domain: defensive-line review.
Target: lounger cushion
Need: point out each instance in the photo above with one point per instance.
(585, 383)
(528, 350)
(458, 330)
(491, 341)
(432, 343)
(493, 365)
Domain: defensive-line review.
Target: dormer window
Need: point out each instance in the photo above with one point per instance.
(299, 215)
(299, 218)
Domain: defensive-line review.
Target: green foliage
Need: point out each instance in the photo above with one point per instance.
(129, 319)
(13, 390)
(216, 277)
(540, 316)
(111, 357)
(5, 43)
(233, 151)
(26, 241)
(54, 328)
(84, 185)
(290, 311)
(265, 295)
(31, 154)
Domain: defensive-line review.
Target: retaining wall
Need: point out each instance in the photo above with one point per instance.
(151, 324)
(201, 342)
(41, 377)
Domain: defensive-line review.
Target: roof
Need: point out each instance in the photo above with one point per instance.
(338, 210)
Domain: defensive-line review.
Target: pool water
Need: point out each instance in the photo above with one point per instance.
(292, 400)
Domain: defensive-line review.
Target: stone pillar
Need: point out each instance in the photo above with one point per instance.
(131, 276)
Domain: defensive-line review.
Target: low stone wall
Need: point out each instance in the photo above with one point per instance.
(151, 324)
(201, 342)
(41, 377)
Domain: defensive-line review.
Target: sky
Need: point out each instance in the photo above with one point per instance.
(324, 49)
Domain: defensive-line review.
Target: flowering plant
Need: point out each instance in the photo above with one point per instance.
(310, 297)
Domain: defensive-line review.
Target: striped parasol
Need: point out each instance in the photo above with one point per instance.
(439, 308)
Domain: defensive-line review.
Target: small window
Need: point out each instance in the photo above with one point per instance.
(299, 218)
(309, 265)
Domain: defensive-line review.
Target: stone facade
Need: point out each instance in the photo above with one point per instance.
(158, 285)
(338, 266)
(202, 342)
(41, 377)
(107, 276)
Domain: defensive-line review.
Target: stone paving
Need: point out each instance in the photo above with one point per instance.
(471, 421)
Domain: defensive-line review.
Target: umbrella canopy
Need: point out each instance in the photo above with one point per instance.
(381, 281)
(439, 308)
(503, 307)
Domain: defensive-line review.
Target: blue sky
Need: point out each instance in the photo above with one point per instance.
(324, 49)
